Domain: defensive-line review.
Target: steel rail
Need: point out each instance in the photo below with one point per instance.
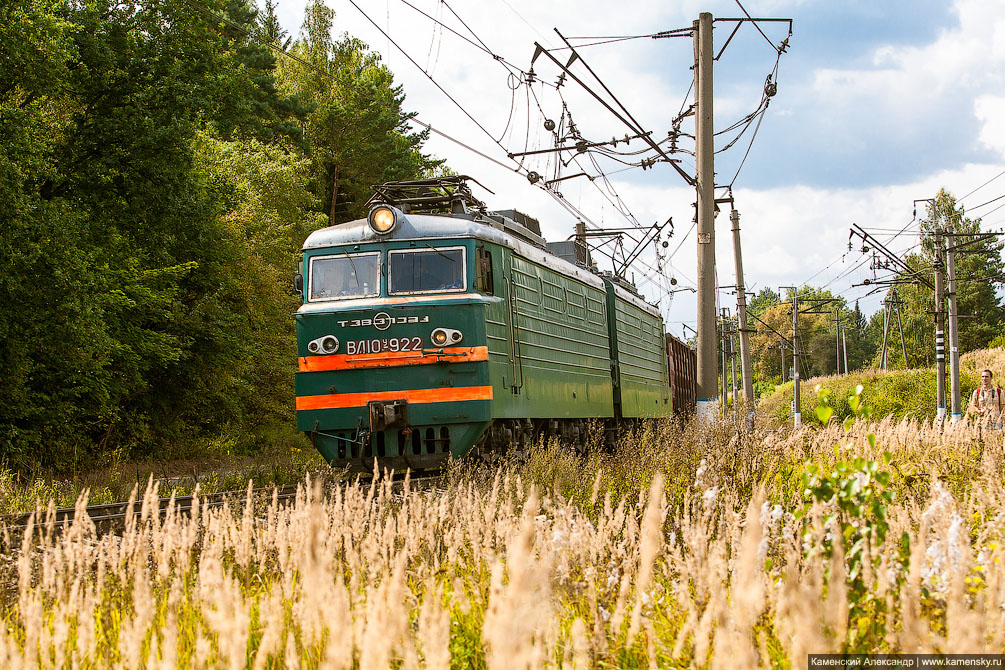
(104, 515)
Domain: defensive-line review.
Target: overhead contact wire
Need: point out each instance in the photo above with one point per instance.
(428, 76)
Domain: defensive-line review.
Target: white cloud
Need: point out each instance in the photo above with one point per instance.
(990, 110)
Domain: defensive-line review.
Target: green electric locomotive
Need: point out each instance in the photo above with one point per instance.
(434, 326)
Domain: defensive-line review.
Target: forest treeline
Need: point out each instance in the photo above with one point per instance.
(159, 168)
(980, 276)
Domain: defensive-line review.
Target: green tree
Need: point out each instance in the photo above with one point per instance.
(250, 105)
(156, 190)
(771, 343)
(270, 30)
(358, 130)
(857, 339)
(762, 301)
(980, 276)
(49, 379)
(270, 210)
(818, 335)
(124, 322)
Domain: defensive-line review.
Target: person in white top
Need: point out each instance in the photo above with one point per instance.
(986, 403)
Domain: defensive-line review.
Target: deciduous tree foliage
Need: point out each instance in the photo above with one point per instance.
(817, 334)
(155, 186)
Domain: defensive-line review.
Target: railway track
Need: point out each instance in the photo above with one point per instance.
(110, 516)
(105, 516)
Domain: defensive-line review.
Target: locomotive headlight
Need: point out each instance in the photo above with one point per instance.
(382, 219)
(445, 336)
(323, 345)
(329, 344)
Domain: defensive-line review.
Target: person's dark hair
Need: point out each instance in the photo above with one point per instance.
(990, 374)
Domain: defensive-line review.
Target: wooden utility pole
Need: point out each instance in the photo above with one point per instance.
(956, 408)
(741, 315)
(331, 212)
(706, 390)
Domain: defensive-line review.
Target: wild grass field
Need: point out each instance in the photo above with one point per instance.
(895, 393)
(688, 546)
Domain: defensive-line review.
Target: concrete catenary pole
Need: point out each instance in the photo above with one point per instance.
(956, 409)
(940, 329)
(797, 414)
(705, 384)
(741, 315)
(732, 376)
(725, 369)
(844, 345)
(886, 329)
(837, 340)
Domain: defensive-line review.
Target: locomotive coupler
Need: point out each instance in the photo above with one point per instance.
(387, 414)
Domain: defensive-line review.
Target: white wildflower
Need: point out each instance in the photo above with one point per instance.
(708, 498)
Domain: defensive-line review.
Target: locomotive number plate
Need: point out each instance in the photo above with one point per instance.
(382, 345)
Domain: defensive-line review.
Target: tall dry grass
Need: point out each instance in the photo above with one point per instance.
(700, 560)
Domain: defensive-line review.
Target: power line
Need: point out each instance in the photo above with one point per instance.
(749, 147)
(982, 185)
(630, 121)
(520, 16)
(987, 203)
(612, 40)
(995, 210)
(462, 144)
(684, 239)
(819, 272)
(428, 76)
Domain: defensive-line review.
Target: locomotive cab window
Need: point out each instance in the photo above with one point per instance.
(483, 281)
(344, 276)
(429, 270)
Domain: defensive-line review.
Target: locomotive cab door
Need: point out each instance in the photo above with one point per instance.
(494, 275)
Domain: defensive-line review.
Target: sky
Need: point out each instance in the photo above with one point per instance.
(877, 104)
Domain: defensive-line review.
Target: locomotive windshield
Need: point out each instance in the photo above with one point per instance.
(344, 276)
(427, 270)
